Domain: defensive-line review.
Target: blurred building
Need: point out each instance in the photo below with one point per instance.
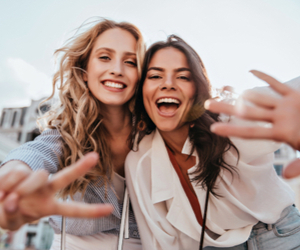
(17, 126)
(36, 235)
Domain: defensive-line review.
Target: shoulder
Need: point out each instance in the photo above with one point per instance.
(49, 134)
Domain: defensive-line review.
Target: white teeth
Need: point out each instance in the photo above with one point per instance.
(113, 85)
(168, 100)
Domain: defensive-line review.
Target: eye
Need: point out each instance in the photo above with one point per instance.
(184, 78)
(131, 63)
(154, 77)
(104, 58)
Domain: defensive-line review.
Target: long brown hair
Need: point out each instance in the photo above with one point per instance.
(209, 146)
(78, 115)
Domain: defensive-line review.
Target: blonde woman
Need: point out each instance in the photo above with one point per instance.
(97, 77)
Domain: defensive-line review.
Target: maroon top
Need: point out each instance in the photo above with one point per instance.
(189, 193)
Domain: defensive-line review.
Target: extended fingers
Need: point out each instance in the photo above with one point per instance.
(35, 181)
(276, 85)
(71, 173)
(262, 100)
(253, 113)
(243, 132)
(219, 107)
(82, 210)
(240, 110)
(10, 179)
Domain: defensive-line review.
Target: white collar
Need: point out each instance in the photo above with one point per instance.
(161, 167)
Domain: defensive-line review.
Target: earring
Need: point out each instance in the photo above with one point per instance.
(141, 126)
(192, 125)
(131, 105)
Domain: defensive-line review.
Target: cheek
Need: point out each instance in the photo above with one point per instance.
(133, 76)
(191, 91)
(147, 97)
(148, 91)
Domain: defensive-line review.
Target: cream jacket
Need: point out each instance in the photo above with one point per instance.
(164, 215)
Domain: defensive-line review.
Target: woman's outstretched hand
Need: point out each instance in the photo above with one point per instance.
(32, 196)
(283, 112)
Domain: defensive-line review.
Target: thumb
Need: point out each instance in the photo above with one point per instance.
(292, 170)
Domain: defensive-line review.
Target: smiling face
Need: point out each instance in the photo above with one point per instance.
(111, 70)
(168, 89)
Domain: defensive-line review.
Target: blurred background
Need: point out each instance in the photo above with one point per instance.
(231, 36)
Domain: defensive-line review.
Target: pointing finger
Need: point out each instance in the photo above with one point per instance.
(276, 85)
(71, 173)
(82, 210)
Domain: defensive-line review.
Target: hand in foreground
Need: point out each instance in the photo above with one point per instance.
(34, 197)
(283, 112)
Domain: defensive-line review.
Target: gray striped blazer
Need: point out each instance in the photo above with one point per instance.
(43, 152)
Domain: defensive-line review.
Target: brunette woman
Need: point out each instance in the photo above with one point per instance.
(182, 178)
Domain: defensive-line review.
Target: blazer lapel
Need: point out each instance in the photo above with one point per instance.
(161, 171)
(166, 187)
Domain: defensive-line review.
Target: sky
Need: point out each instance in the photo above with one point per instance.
(231, 36)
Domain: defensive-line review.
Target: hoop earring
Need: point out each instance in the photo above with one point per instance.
(141, 126)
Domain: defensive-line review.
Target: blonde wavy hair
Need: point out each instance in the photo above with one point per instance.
(78, 115)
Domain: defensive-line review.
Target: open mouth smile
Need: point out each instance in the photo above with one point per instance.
(114, 84)
(167, 106)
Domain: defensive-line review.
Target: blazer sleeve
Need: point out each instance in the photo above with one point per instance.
(42, 153)
(146, 234)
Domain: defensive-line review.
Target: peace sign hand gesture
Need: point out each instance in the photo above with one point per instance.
(34, 197)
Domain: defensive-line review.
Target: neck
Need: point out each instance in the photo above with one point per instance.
(176, 139)
(117, 120)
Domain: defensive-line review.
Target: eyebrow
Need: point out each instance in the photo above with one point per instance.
(176, 70)
(113, 51)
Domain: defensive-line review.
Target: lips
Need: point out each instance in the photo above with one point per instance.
(167, 106)
(114, 84)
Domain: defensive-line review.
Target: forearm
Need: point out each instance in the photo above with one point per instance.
(13, 165)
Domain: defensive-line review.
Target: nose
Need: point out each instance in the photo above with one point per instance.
(168, 83)
(117, 68)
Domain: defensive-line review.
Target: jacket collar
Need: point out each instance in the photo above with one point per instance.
(164, 188)
(161, 167)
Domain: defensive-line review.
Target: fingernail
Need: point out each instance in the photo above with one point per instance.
(206, 104)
